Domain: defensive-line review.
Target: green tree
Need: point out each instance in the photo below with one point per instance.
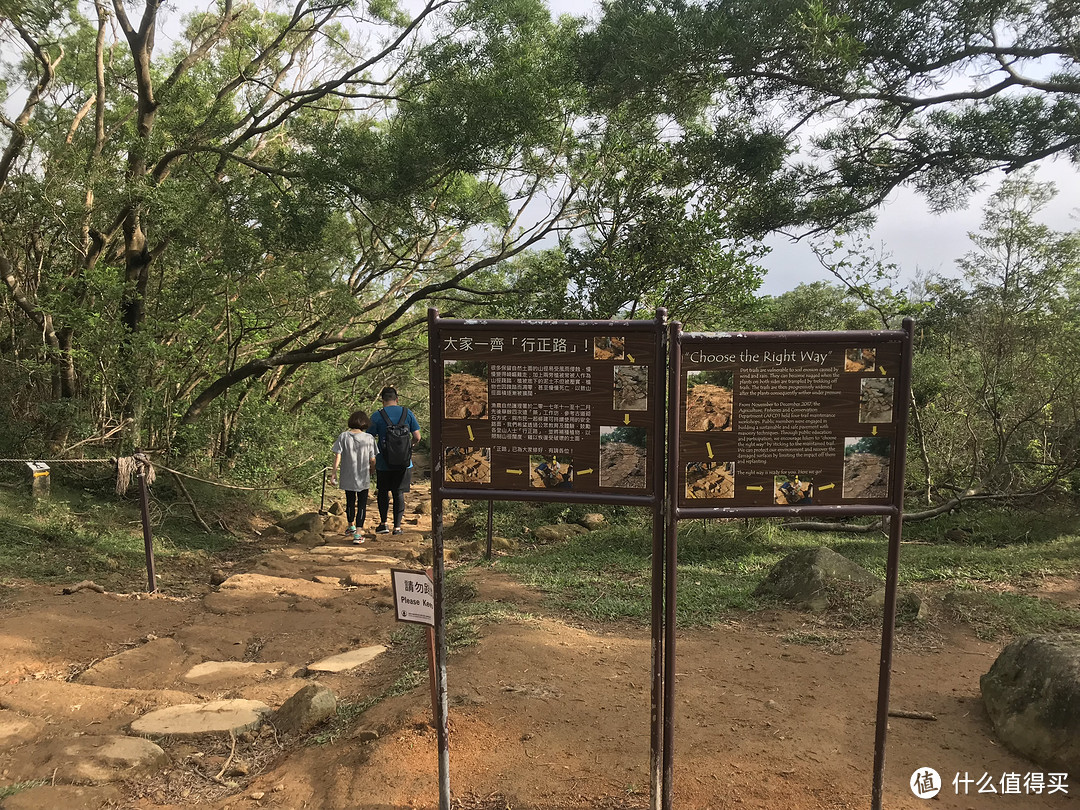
(998, 367)
(874, 94)
(264, 210)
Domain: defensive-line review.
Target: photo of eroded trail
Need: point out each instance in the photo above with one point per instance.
(622, 457)
(468, 465)
(465, 390)
(709, 401)
(866, 466)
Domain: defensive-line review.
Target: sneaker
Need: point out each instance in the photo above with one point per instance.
(358, 539)
(351, 530)
(382, 529)
(397, 530)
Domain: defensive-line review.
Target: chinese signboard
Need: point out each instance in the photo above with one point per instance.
(414, 596)
(549, 407)
(786, 423)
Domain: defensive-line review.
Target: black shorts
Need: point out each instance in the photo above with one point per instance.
(394, 480)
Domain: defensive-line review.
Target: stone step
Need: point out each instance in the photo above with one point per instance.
(197, 719)
(99, 760)
(347, 660)
(225, 674)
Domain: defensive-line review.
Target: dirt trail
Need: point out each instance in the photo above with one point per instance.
(466, 397)
(545, 714)
(708, 407)
(622, 465)
(866, 476)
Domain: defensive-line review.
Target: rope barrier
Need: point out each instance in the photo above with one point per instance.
(127, 467)
(59, 460)
(234, 486)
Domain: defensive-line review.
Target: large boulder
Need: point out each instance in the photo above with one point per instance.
(307, 522)
(806, 577)
(1032, 694)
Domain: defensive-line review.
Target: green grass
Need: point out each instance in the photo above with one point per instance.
(994, 615)
(605, 575)
(79, 533)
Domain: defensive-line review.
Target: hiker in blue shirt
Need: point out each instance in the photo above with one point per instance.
(393, 465)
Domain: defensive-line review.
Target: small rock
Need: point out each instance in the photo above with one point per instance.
(423, 508)
(593, 521)
(366, 735)
(217, 576)
(335, 524)
(257, 795)
(272, 531)
(238, 769)
(312, 705)
(336, 508)
(326, 580)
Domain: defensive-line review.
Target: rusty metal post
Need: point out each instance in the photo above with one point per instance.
(141, 463)
(892, 568)
(658, 470)
(490, 526)
(442, 730)
(671, 554)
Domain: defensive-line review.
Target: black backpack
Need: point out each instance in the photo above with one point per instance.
(396, 444)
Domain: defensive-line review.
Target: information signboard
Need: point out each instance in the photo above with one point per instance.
(548, 407)
(789, 422)
(414, 596)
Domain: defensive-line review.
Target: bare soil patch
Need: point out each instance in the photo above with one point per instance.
(773, 710)
(708, 408)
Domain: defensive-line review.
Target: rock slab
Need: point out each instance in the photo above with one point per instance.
(17, 730)
(806, 576)
(312, 705)
(347, 660)
(196, 719)
(99, 760)
(220, 673)
(1032, 694)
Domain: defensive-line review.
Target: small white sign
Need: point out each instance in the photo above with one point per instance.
(414, 596)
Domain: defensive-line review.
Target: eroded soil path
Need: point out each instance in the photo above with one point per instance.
(774, 710)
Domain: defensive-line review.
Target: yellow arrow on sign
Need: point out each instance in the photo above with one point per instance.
(515, 472)
(827, 486)
(472, 438)
(630, 357)
(626, 419)
(882, 369)
(708, 446)
(874, 431)
(584, 472)
(754, 489)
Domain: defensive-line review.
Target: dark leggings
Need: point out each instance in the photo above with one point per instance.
(396, 483)
(351, 511)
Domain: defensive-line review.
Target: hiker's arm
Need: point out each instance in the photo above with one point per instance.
(415, 438)
(337, 464)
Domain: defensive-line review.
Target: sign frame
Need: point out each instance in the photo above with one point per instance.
(892, 510)
(657, 330)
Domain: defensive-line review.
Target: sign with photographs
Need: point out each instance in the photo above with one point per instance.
(548, 407)
(786, 423)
